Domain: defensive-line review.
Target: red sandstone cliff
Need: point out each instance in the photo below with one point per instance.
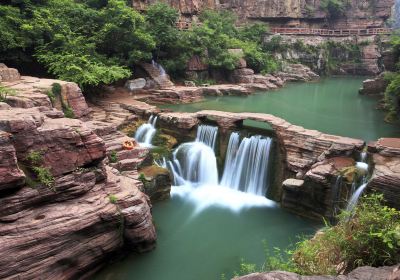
(305, 13)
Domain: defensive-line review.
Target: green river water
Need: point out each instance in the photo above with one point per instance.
(203, 233)
(198, 241)
(331, 105)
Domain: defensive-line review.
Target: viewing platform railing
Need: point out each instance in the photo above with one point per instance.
(331, 32)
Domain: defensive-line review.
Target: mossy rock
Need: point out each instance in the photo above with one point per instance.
(349, 173)
(164, 140)
(156, 181)
(131, 128)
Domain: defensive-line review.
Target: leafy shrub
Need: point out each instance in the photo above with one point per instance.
(44, 176)
(142, 178)
(392, 98)
(113, 199)
(35, 158)
(68, 112)
(4, 92)
(113, 157)
(56, 89)
(369, 236)
(334, 8)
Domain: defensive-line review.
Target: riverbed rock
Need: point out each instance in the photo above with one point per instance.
(365, 272)
(11, 176)
(135, 84)
(374, 86)
(156, 181)
(8, 74)
(386, 175)
(32, 92)
(297, 72)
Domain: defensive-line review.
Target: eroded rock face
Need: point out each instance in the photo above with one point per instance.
(374, 86)
(92, 209)
(10, 174)
(33, 92)
(65, 144)
(8, 74)
(294, 13)
(365, 272)
(386, 174)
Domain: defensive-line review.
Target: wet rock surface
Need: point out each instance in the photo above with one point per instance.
(365, 272)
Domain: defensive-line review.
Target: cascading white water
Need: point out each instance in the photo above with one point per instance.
(207, 134)
(195, 173)
(145, 133)
(195, 162)
(355, 197)
(246, 165)
(159, 67)
(336, 194)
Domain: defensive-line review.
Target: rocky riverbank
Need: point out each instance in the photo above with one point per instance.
(70, 195)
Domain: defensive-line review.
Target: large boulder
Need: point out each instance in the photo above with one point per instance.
(135, 84)
(65, 144)
(374, 86)
(8, 74)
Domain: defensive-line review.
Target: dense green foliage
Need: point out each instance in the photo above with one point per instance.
(99, 42)
(392, 93)
(88, 42)
(368, 236)
(334, 8)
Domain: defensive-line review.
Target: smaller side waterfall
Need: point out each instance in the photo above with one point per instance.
(207, 134)
(336, 190)
(246, 165)
(355, 197)
(145, 133)
(159, 67)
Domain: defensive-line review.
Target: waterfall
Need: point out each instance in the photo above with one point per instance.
(246, 165)
(363, 157)
(336, 194)
(207, 134)
(195, 162)
(145, 133)
(355, 197)
(159, 67)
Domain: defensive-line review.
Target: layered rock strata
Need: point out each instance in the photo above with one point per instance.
(386, 175)
(64, 205)
(365, 272)
(303, 13)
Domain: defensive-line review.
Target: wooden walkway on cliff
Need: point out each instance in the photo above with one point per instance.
(331, 32)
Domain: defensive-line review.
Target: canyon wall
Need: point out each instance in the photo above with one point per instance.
(64, 205)
(295, 13)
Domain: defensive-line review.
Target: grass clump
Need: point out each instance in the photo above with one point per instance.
(113, 199)
(113, 157)
(35, 157)
(44, 176)
(5, 92)
(369, 236)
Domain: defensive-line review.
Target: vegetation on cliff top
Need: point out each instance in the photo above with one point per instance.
(99, 42)
(368, 236)
(392, 93)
